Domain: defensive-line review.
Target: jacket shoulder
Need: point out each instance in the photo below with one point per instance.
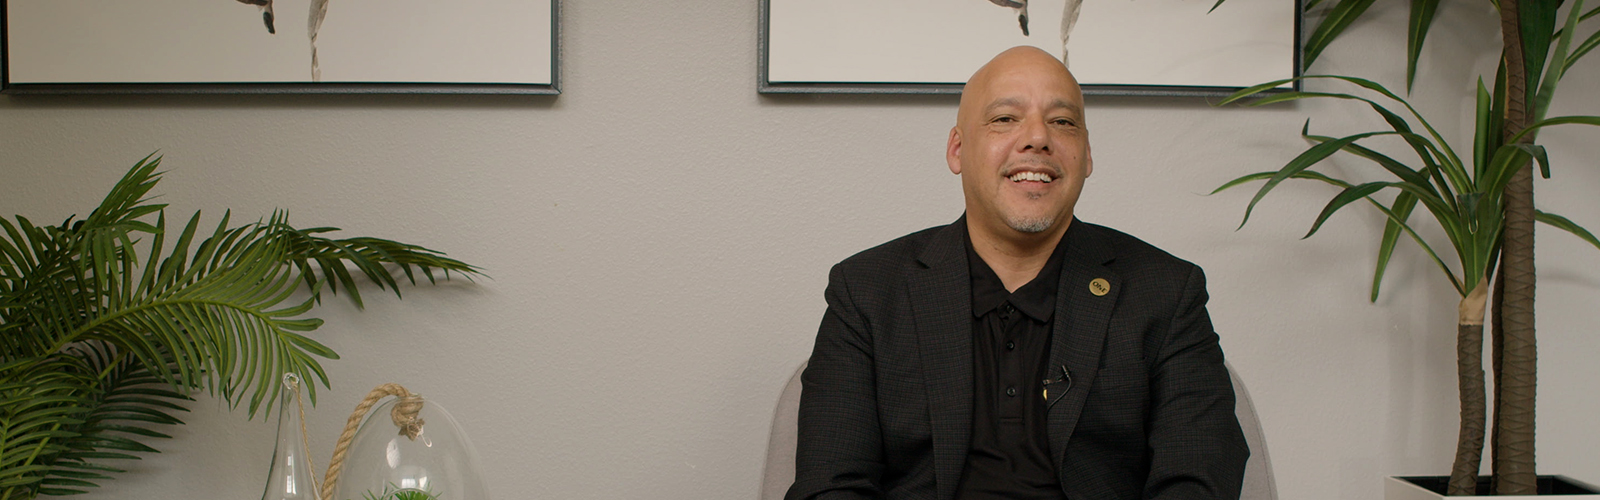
(1134, 255)
(891, 257)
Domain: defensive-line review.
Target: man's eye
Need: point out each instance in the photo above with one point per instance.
(1004, 119)
(1062, 122)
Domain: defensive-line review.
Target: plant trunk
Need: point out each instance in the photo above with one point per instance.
(1474, 408)
(1517, 370)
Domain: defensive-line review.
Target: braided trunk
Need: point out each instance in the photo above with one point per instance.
(1474, 407)
(1516, 371)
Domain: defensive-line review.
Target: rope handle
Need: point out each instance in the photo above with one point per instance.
(404, 416)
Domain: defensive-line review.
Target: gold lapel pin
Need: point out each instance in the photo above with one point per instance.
(1099, 287)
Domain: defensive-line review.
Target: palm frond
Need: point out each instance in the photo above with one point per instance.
(41, 401)
(105, 327)
(1567, 225)
(133, 403)
(1339, 18)
(370, 256)
(1546, 90)
(1404, 203)
(1453, 193)
(1422, 12)
(1311, 156)
(1465, 202)
(1582, 49)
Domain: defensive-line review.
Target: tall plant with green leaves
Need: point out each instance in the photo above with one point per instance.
(1535, 56)
(108, 322)
(1486, 208)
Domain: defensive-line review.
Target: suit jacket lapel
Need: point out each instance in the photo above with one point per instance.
(941, 304)
(1079, 334)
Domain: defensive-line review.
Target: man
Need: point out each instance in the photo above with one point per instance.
(1017, 353)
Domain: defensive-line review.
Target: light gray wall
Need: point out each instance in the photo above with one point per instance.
(659, 238)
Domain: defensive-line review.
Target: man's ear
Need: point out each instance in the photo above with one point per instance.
(1090, 163)
(952, 151)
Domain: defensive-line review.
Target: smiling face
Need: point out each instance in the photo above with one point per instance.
(1020, 145)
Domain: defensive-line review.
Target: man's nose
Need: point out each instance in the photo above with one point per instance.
(1035, 136)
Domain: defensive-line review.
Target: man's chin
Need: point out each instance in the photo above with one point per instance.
(1031, 225)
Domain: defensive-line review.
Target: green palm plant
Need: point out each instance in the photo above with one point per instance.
(107, 323)
(1478, 205)
(1537, 50)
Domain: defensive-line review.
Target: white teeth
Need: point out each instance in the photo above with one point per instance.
(1031, 176)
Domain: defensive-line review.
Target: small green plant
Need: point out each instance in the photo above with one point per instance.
(394, 492)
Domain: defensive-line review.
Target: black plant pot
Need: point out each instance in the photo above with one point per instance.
(1427, 487)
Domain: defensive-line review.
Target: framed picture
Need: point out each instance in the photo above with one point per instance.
(281, 46)
(1114, 47)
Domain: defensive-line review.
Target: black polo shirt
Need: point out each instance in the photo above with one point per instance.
(1009, 457)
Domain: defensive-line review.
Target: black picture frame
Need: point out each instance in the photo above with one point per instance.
(766, 86)
(9, 87)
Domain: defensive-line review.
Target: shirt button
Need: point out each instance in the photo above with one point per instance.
(1011, 391)
(1011, 346)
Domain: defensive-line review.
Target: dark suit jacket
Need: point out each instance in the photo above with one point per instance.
(886, 406)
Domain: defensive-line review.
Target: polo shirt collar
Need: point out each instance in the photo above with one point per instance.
(1036, 299)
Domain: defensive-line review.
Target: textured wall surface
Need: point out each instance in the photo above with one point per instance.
(659, 237)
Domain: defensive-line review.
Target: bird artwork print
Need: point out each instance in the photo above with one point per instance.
(266, 12)
(319, 10)
(1020, 6)
(1069, 18)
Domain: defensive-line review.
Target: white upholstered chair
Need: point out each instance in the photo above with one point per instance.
(1258, 481)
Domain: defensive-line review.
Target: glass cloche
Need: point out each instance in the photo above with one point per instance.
(410, 454)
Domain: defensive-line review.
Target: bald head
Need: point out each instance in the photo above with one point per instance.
(1021, 149)
(1025, 61)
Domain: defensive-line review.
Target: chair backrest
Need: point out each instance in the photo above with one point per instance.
(781, 445)
(1258, 481)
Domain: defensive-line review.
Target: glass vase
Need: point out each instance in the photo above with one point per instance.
(289, 475)
(430, 460)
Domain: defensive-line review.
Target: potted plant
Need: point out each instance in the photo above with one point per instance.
(107, 322)
(1485, 208)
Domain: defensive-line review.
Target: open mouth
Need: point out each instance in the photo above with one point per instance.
(1031, 176)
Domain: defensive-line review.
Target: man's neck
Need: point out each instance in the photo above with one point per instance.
(1014, 256)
